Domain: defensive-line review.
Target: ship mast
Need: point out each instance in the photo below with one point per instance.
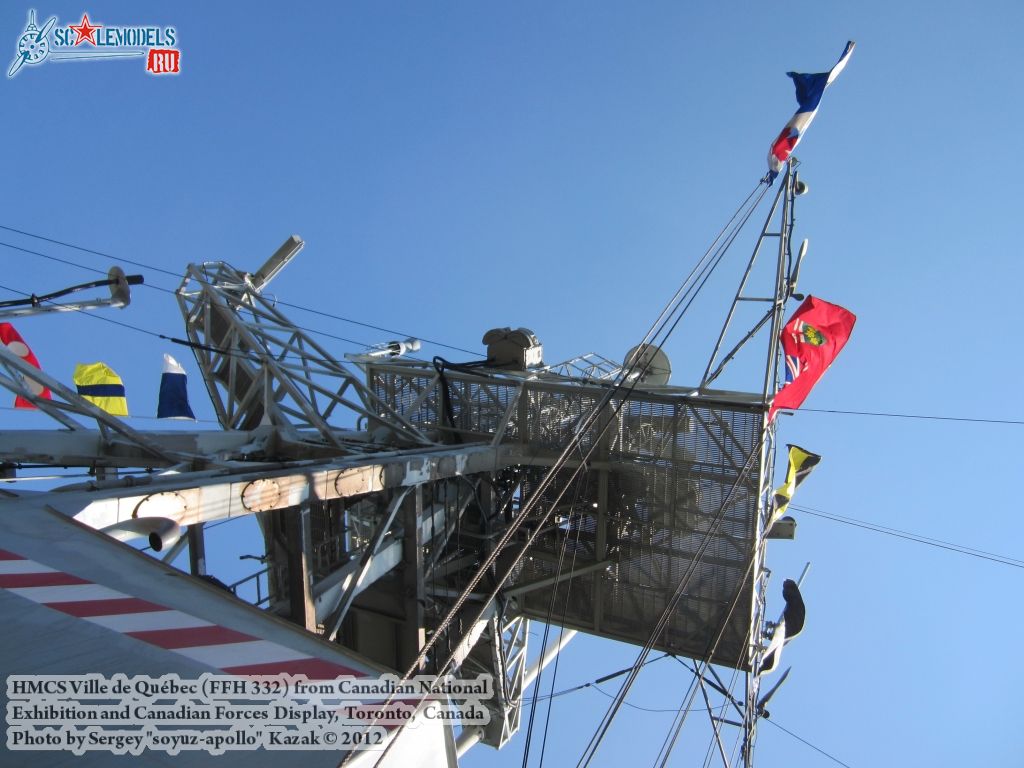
(419, 513)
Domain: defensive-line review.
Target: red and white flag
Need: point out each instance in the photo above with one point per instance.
(16, 345)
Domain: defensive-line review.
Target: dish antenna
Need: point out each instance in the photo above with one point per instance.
(651, 365)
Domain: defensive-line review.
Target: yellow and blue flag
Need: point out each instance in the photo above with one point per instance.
(98, 384)
(801, 462)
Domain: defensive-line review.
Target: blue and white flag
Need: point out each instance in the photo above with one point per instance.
(173, 392)
(809, 90)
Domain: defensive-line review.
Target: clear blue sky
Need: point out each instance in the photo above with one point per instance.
(459, 166)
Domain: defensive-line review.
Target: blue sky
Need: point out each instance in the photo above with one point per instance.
(455, 167)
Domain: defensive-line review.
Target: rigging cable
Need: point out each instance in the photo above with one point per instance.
(739, 735)
(690, 288)
(703, 274)
(149, 418)
(705, 662)
(193, 344)
(625, 381)
(915, 537)
(593, 685)
(595, 742)
(260, 359)
(558, 656)
(833, 758)
(168, 291)
(651, 710)
(681, 711)
(922, 416)
(550, 613)
(933, 417)
(348, 320)
(728, 696)
(1017, 422)
(707, 271)
(178, 276)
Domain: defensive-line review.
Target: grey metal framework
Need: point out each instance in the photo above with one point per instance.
(381, 487)
(261, 369)
(665, 468)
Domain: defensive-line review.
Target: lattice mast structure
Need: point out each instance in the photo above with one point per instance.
(382, 483)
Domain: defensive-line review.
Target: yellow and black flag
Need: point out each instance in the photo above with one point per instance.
(98, 384)
(801, 463)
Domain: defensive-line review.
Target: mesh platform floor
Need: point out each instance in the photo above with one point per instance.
(667, 467)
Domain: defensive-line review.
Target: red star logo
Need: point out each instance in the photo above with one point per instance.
(86, 32)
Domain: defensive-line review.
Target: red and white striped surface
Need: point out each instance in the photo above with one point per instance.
(202, 641)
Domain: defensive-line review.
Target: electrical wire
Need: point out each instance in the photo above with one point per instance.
(850, 521)
(262, 360)
(377, 327)
(303, 360)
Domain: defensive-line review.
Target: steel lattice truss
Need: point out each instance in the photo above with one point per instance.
(663, 471)
(259, 368)
(381, 489)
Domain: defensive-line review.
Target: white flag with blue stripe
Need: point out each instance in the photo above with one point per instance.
(173, 392)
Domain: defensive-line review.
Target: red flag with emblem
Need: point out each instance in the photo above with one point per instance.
(16, 345)
(811, 340)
